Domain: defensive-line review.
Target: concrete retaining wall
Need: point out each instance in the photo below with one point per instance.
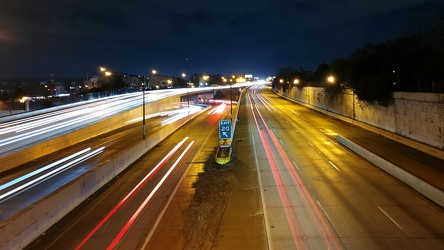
(21, 229)
(415, 119)
(414, 182)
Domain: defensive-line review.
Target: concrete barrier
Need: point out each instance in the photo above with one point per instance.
(21, 229)
(414, 182)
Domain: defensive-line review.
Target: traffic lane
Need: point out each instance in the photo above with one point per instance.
(418, 163)
(30, 130)
(125, 224)
(293, 218)
(361, 200)
(84, 218)
(179, 228)
(114, 142)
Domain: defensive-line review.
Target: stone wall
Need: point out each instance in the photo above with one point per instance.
(417, 116)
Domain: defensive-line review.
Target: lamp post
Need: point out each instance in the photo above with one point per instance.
(109, 73)
(188, 88)
(295, 82)
(231, 98)
(143, 109)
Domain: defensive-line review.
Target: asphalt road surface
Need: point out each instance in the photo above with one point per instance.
(290, 185)
(124, 214)
(319, 195)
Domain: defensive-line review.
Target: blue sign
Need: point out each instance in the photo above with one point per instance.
(225, 129)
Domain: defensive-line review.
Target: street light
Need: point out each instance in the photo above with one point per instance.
(231, 105)
(331, 79)
(108, 73)
(188, 87)
(205, 78)
(143, 109)
(290, 87)
(105, 72)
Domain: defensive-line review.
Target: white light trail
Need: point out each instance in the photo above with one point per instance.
(35, 172)
(50, 174)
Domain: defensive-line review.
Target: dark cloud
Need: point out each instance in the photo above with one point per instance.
(232, 36)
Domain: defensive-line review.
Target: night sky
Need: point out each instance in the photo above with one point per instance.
(75, 37)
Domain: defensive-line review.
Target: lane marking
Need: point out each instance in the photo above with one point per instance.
(323, 210)
(331, 163)
(131, 193)
(296, 165)
(147, 200)
(390, 218)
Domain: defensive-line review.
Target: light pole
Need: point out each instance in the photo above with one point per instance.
(295, 82)
(233, 77)
(109, 73)
(188, 87)
(143, 109)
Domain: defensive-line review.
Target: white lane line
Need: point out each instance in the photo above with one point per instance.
(323, 210)
(296, 165)
(331, 163)
(390, 218)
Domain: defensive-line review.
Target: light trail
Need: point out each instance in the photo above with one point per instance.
(56, 124)
(28, 128)
(148, 198)
(218, 110)
(35, 172)
(51, 173)
(131, 193)
(323, 228)
(43, 119)
(181, 114)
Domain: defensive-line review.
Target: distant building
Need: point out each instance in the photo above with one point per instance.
(160, 82)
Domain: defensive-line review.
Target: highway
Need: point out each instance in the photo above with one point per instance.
(15, 134)
(26, 185)
(34, 180)
(312, 193)
(124, 214)
(319, 195)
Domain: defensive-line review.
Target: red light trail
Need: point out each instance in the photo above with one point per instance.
(133, 192)
(278, 161)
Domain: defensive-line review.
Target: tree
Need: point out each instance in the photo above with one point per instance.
(322, 72)
(369, 77)
(285, 77)
(19, 92)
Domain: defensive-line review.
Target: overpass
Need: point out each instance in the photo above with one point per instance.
(14, 157)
